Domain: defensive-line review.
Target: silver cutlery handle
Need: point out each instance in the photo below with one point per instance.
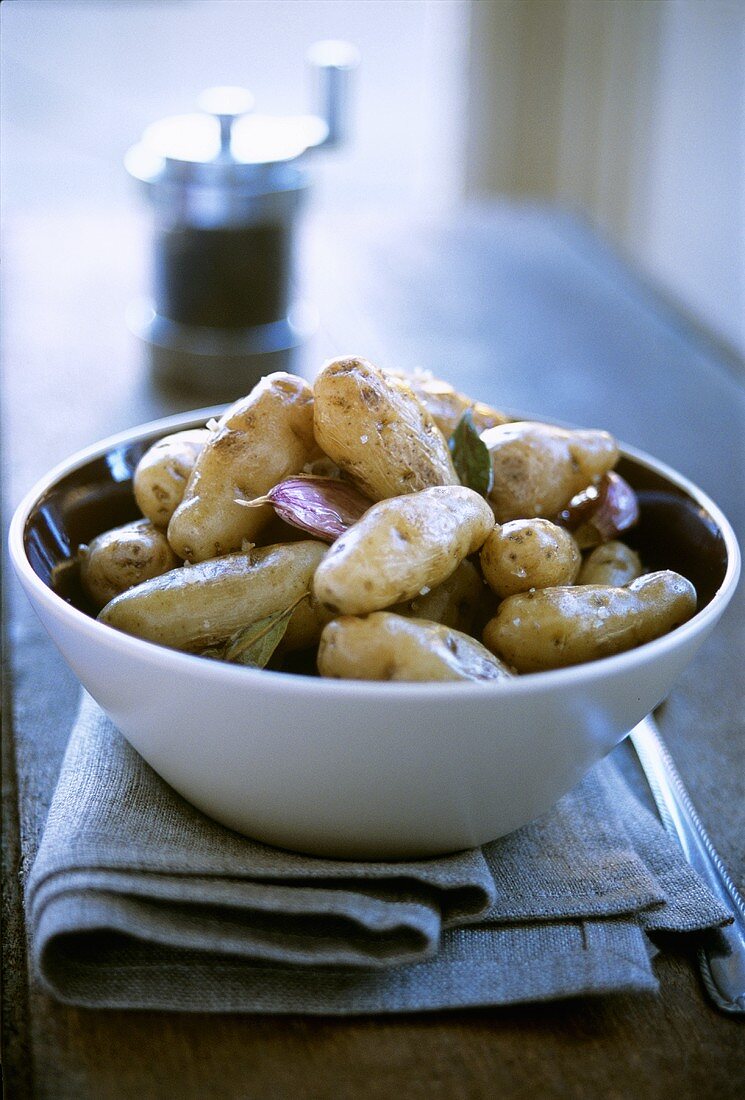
(722, 967)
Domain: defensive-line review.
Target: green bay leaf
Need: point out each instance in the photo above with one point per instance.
(471, 455)
(255, 644)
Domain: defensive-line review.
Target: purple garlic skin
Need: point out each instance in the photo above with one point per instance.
(323, 506)
(601, 512)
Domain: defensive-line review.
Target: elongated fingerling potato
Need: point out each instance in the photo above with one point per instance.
(123, 557)
(555, 627)
(260, 440)
(162, 473)
(446, 405)
(384, 646)
(538, 468)
(400, 547)
(610, 563)
(377, 432)
(529, 553)
(199, 605)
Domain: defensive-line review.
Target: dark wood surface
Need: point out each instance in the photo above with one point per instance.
(522, 307)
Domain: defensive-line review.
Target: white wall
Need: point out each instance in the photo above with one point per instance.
(690, 227)
(633, 112)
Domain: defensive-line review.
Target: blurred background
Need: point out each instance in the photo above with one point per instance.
(631, 112)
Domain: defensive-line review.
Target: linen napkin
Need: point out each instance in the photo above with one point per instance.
(137, 900)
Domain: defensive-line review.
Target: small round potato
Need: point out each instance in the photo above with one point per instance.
(458, 602)
(401, 547)
(610, 563)
(538, 468)
(389, 647)
(555, 627)
(529, 553)
(373, 427)
(259, 440)
(446, 405)
(162, 473)
(199, 605)
(119, 559)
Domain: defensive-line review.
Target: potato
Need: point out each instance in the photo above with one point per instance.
(401, 547)
(161, 475)
(458, 602)
(305, 626)
(389, 647)
(446, 406)
(259, 440)
(198, 605)
(555, 627)
(529, 553)
(538, 468)
(118, 559)
(612, 563)
(377, 432)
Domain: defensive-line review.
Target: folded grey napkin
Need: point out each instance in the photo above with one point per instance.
(137, 900)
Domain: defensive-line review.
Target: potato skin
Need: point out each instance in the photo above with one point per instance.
(198, 605)
(610, 563)
(446, 405)
(458, 602)
(529, 553)
(556, 627)
(401, 546)
(123, 557)
(373, 427)
(259, 440)
(537, 468)
(384, 646)
(161, 475)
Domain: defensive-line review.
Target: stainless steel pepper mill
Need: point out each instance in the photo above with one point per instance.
(226, 186)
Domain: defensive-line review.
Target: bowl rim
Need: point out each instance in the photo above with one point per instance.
(541, 683)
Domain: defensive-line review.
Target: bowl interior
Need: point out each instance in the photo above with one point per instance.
(675, 530)
(85, 502)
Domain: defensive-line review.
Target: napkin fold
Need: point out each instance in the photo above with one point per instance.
(137, 900)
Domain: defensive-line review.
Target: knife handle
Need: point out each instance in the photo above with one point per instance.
(722, 966)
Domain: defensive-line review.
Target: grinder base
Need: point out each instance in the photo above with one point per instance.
(223, 364)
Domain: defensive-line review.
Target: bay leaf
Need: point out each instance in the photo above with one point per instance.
(255, 644)
(471, 456)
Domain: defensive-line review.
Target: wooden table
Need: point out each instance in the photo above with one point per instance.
(525, 308)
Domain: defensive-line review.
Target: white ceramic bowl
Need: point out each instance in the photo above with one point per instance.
(353, 769)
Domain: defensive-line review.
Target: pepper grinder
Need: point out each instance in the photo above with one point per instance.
(226, 186)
